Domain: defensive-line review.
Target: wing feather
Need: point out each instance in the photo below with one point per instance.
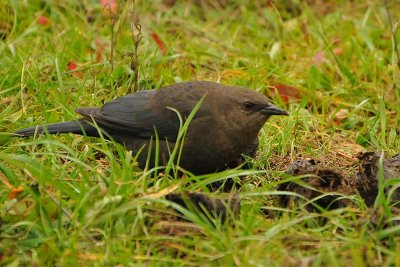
(136, 114)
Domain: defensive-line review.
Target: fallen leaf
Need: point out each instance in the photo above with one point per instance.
(342, 114)
(15, 192)
(100, 47)
(72, 66)
(164, 192)
(276, 47)
(159, 42)
(286, 92)
(43, 20)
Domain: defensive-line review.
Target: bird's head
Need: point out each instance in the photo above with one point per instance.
(241, 113)
(248, 106)
(258, 105)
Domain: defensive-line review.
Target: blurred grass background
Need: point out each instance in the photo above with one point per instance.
(71, 200)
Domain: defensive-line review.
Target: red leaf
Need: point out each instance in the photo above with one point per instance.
(15, 192)
(286, 92)
(72, 66)
(43, 20)
(159, 43)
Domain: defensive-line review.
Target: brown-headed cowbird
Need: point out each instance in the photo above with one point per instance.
(225, 125)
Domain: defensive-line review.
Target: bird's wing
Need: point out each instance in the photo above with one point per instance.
(135, 114)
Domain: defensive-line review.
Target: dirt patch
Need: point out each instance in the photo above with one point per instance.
(367, 179)
(325, 185)
(319, 181)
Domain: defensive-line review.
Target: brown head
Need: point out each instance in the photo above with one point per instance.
(243, 109)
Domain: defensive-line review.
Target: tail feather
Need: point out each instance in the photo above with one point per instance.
(77, 127)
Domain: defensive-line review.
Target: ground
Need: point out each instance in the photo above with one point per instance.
(72, 200)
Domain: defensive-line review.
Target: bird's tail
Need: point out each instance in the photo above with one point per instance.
(77, 127)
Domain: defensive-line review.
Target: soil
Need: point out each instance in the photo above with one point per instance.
(327, 185)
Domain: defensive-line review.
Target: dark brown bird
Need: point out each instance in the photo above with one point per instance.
(226, 124)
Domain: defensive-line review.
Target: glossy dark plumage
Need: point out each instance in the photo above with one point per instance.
(226, 124)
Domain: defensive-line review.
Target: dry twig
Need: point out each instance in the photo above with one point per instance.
(135, 26)
(113, 17)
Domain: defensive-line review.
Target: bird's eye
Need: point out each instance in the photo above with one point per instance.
(248, 105)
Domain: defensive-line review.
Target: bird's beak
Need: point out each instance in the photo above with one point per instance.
(271, 109)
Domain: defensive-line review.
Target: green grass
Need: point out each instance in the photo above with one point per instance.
(83, 200)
